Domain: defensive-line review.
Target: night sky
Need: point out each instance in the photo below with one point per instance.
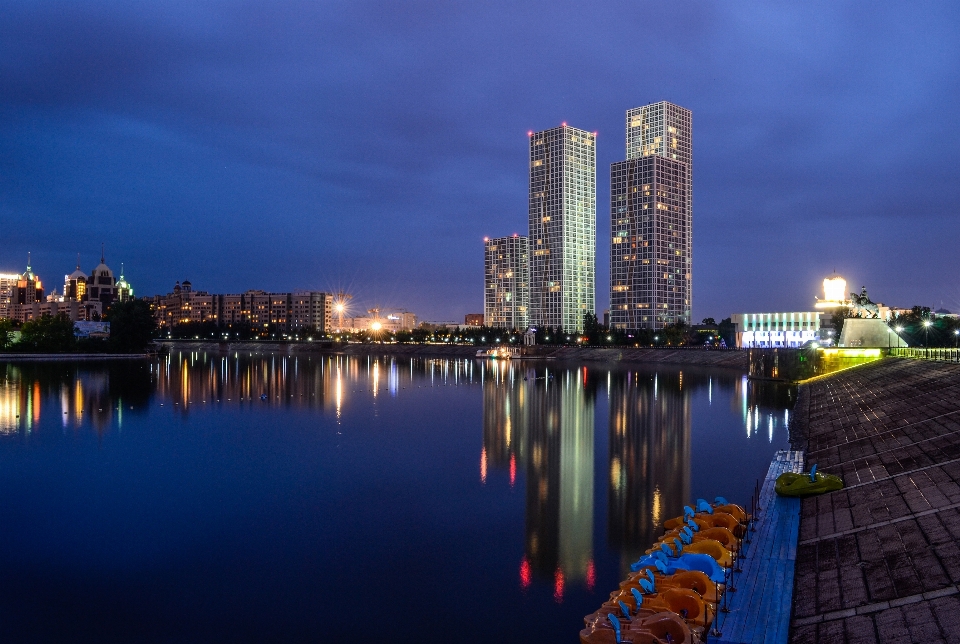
(370, 146)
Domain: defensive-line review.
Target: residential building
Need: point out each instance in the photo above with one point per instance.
(562, 227)
(311, 310)
(473, 319)
(266, 313)
(506, 297)
(7, 282)
(651, 212)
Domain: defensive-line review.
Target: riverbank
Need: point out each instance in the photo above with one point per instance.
(694, 357)
(880, 560)
(69, 357)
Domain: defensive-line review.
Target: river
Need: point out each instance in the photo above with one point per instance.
(256, 497)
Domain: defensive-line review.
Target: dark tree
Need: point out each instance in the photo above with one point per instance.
(6, 326)
(728, 331)
(48, 334)
(132, 326)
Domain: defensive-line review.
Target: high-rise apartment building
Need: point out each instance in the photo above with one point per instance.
(563, 226)
(651, 215)
(506, 296)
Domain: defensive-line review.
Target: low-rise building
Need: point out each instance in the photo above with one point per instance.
(392, 321)
(264, 312)
(771, 330)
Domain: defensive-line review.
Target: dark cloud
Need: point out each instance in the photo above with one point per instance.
(317, 144)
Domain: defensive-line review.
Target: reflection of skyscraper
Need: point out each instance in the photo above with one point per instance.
(545, 427)
(576, 478)
(505, 424)
(649, 478)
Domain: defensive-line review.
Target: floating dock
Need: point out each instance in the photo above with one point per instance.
(759, 609)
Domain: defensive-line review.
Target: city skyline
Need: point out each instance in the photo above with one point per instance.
(325, 148)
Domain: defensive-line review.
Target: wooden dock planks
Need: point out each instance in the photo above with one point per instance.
(760, 606)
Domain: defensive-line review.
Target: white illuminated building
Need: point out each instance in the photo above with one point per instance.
(776, 330)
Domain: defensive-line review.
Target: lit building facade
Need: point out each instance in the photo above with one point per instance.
(388, 321)
(101, 285)
(506, 293)
(775, 330)
(75, 284)
(311, 311)
(651, 212)
(562, 227)
(261, 311)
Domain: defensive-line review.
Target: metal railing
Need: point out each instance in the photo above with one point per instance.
(939, 354)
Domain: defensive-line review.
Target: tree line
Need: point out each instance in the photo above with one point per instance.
(132, 329)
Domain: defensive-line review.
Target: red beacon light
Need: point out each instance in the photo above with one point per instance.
(486, 239)
(564, 124)
(530, 133)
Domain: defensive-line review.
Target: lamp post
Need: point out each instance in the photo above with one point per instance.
(926, 333)
(956, 338)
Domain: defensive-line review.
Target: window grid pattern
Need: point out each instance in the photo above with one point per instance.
(562, 227)
(649, 237)
(506, 298)
(659, 131)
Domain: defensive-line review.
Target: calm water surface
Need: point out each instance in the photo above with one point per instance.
(362, 500)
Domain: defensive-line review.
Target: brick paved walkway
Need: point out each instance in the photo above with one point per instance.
(879, 561)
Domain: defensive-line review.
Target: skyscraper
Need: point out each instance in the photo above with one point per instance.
(563, 226)
(651, 216)
(506, 293)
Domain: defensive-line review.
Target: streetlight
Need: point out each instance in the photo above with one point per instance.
(956, 338)
(926, 333)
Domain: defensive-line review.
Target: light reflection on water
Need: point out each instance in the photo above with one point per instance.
(600, 455)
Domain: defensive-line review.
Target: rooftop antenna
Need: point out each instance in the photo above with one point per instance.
(78, 261)
(101, 253)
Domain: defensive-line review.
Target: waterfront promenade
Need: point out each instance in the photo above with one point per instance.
(879, 561)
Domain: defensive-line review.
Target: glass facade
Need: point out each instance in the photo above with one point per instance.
(563, 227)
(506, 298)
(651, 213)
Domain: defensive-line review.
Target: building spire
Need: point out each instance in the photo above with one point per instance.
(28, 261)
(78, 261)
(101, 253)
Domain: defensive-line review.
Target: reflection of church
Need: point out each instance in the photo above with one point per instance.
(649, 478)
(546, 427)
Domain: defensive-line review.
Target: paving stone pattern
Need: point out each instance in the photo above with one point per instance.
(879, 561)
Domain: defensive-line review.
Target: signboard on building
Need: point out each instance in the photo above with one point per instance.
(91, 329)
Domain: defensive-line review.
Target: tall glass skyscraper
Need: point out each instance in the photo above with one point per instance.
(651, 216)
(506, 294)
(563, 226)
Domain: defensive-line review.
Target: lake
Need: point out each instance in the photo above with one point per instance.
(255, 497)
